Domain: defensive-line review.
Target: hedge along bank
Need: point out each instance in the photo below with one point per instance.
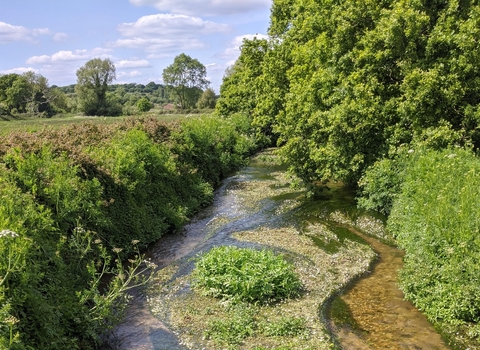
(80, 199)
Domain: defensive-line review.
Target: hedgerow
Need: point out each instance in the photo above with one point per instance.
(436, 220)
(76, 202)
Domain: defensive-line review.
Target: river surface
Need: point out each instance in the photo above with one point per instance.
(375, 316)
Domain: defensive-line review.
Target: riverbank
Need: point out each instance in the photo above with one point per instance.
(258, 208)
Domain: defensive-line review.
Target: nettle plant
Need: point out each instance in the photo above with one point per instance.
(246, 275)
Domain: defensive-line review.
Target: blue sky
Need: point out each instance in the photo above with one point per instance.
(56, 37)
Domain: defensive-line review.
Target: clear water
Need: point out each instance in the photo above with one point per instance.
(375, 314)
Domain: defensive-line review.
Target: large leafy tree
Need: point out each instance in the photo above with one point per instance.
(343, 83)
(187, 78)
(238, 92)
(28, 92)
(92, 86)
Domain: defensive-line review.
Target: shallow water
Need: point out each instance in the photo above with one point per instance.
(382, 319)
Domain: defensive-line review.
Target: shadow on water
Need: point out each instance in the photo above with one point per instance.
(370, 314)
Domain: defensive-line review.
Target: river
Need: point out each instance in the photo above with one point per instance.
(248, 207)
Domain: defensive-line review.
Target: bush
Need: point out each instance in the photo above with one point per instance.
(214, 146)
(73, 199)
(246, 275)
(436, 220)
(144, 105)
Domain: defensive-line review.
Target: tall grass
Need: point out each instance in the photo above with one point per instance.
(436, 219)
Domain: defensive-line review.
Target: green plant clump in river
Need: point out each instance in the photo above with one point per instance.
(246, 275)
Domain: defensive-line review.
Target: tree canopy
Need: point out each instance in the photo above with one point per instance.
(28, 93)
(92, 86)
(341, 84)
(186, 77)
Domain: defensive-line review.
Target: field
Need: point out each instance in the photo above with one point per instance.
(8, 124)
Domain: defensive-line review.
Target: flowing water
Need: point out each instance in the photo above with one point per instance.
(371, 314)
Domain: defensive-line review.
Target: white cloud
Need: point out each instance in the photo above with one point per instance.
(10, 33)
(132, 64)
(157, 25)
(167, 32)
(131, 74)
(60, 37)
(232, 52)
(19, 70)
(205, 7)
(41, 31)
(69, 56)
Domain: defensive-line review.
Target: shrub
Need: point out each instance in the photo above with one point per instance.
(77, 197)
(436, 220)
(144, 105)
(214, 146)
(246, 275)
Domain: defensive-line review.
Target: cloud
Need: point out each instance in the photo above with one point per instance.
(69, 56)
(167, 32)
(131, 74)
(205, 7)
(60, 37)
(232, 52)
(19, 70)
(132, 64)
(11, 33)
(41, 31)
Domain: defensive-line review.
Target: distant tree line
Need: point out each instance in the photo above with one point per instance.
(186, 87)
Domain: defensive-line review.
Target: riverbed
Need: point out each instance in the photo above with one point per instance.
(325, 238)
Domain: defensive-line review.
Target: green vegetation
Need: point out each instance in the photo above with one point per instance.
(92, 86)
(77, 202)
(439, 233)
(186, 77)
(348, 89)
(246, 275)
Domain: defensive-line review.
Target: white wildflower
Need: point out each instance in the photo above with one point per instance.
(8, 234)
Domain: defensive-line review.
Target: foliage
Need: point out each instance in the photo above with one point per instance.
(238, 90)
(381, 183)
(186, 77)
(27, 93)
(144, 105)
(92, 86)
(214, 146)
(435, 219)
(234, 329)
(207, 100)
(246, 275)
(76, 205)
(339, 84)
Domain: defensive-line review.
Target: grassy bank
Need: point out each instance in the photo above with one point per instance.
(13, 124)
(78, 200)
(433, 198)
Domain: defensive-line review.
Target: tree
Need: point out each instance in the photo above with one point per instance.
(144, 104)
(238, 92)
(28, 92)
(207, 100)
(186, 77)
(92, 86)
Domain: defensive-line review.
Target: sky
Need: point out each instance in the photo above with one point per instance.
(56, 37)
